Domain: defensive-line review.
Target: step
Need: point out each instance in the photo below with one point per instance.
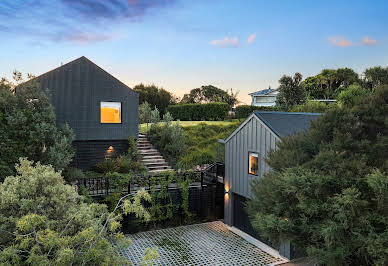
(150, 154)
(158, 171)
(148, 151)
(152, 157)
(146, 160)
(152, 164)
(157, 167)
(144, 146)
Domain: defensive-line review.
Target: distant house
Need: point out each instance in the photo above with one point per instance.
(101, 110)
(245, 150)
(264, 97)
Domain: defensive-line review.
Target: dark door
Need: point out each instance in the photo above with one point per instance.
(241, 219)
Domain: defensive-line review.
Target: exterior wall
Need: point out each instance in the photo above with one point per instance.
(76, 90)
(89, 153)
(254, 136)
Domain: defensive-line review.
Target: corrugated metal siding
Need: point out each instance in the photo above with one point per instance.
(252, 137)
(76, 91)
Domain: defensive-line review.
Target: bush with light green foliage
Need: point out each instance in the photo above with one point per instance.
(43, 221)
(350, 95)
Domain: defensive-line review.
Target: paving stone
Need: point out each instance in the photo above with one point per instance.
(198, 244)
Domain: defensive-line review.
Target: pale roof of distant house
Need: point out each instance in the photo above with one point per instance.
(262, 92)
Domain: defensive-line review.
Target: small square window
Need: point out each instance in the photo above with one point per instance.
(253, 163)
(111, 112)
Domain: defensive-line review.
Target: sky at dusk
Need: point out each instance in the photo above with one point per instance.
(180, 45)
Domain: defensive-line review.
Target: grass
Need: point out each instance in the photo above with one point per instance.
(185, 124)
(201, 138)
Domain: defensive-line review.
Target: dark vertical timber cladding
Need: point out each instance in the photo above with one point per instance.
(88, 153)
(76, 91)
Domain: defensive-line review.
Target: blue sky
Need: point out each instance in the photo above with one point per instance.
(180, 45)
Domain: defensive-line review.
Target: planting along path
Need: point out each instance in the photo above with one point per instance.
(199, 244)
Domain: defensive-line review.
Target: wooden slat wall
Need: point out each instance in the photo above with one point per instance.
(88, 153)
(78, 88)
(253, 137)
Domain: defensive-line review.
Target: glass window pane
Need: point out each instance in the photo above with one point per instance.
(253, 163)
(110, 112)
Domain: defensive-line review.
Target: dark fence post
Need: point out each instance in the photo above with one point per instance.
(106, 186)
(129, 187)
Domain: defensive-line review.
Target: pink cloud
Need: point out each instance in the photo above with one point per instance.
(340, 41)
(84, 38)
(226, 42)
(251, 38)
(368, 41)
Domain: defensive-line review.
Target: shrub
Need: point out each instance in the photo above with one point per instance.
(243, 111)
(311, 107)
(350, 95)
(45, 222)
(72, 174)
(199, 112)
(169, 139)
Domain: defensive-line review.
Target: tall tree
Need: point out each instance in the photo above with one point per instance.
(155, 96)
(291, 92)
(330, 82)
(210, 93)
(328, 187)
(376, 76)
(28, 129)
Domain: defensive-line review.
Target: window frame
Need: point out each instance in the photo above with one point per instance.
(258, 162)
(121, 113)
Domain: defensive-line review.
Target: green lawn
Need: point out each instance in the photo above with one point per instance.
(201, 138)
(184, 124)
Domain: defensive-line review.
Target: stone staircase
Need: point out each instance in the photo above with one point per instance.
(151, 158)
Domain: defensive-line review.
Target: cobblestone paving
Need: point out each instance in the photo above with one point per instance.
(199, 244)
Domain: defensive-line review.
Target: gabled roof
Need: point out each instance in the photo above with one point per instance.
(83, 59)
(286, 123)
(262, 92)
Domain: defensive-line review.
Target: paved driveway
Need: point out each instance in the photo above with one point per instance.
(199, 244)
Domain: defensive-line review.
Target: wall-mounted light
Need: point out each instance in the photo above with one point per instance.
(109, 152)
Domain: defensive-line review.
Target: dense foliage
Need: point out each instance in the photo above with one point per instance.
(43, 221)
(210, 94)
(28, 129)
(328, 187)
(243, 111)
(329, 83)
(202, 143)
(311, 107)
(199, 112)
(168, 138)
(154, 96)
(291, 92)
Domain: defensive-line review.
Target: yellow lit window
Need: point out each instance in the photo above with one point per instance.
(110, 112)
(253, 163)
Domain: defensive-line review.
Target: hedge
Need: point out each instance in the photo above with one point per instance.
(243, 111)
(198, 111)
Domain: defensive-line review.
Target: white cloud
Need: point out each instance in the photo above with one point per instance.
(251, 38)
(226, 42)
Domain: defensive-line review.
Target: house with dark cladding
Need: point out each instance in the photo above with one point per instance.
(245, 150)
(101, 110)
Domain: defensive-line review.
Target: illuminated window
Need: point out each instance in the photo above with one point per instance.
(253, 163)
(110, 112)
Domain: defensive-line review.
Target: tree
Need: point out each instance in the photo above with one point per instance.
(290, 91)
(376, 76)
(155, 96)
(329, 83)
(145, 113)
(328, 187)
(209, 94)
(45, 222)
(28, 128)
(350, 95)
